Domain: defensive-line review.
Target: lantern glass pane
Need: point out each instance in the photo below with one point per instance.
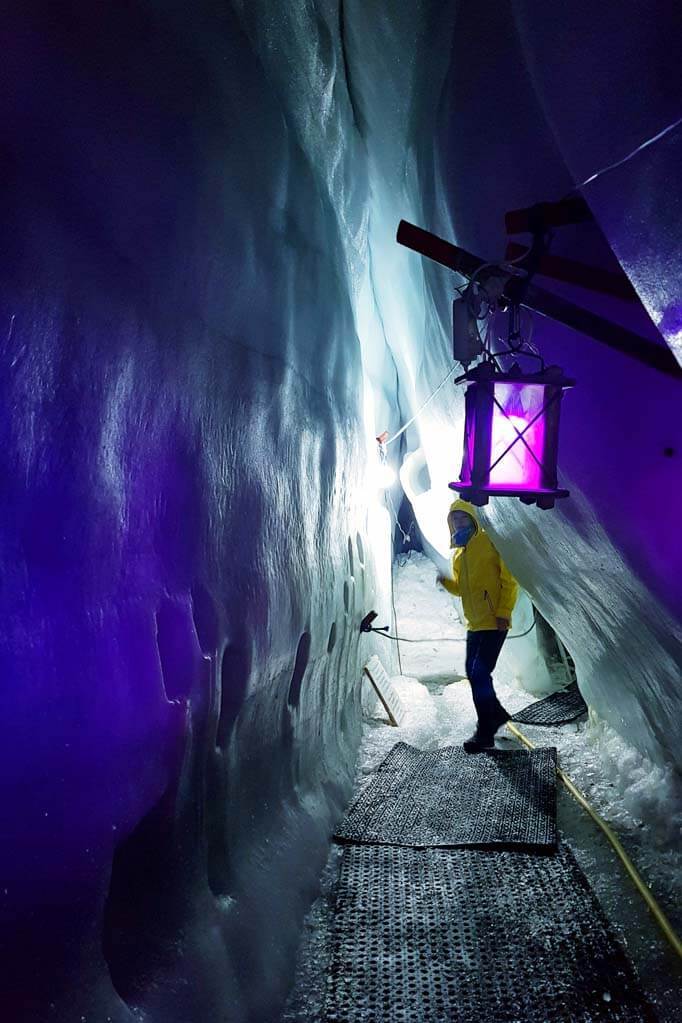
(469, 435)
(521, 466)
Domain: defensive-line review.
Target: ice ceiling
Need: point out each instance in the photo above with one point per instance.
(206, 323)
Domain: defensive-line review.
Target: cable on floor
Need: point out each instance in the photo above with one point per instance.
(656, 911)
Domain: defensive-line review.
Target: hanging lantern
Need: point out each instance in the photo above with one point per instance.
(511, 435)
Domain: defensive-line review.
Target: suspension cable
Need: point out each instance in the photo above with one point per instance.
(421, 408)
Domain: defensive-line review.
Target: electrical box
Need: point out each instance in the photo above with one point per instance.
(466, 343)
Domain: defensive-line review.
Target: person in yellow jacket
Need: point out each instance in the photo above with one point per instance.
(488, 593)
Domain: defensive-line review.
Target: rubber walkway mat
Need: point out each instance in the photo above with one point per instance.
(557, 709)
(441, 936)
(448, 798)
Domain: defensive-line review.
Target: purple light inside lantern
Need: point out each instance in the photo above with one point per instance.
(517, 405)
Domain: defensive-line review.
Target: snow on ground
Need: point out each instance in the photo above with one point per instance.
(640, 800)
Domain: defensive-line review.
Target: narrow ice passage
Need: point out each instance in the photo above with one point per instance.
(439, 713)
(206, 322)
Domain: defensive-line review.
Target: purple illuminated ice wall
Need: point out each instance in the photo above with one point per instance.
(204, 315)
(181, 511)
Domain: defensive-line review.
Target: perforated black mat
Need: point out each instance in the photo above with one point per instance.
(440, 936)
(448, 798)
(557, 709)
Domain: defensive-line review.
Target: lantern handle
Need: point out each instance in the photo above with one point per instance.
(526, 353)
(515, 344)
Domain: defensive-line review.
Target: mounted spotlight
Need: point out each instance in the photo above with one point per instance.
(511, 434)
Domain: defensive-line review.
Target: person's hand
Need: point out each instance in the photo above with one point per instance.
(502, 624)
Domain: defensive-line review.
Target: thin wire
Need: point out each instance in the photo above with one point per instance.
(484, 266)
(498, 266)
(531, 331)
(395, 619)
(489, 318)
(420, 410)
(406, 536)
(402, 639)
(389, 500)
(619, 163)
(450, 639)
(404, 556)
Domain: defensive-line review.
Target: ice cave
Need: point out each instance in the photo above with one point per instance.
(231, 413)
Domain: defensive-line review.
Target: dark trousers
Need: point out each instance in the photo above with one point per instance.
(483, 649)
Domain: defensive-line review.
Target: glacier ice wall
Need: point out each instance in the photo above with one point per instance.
(205, 322)
(188, 544)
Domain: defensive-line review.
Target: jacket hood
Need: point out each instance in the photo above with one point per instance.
(464, 506)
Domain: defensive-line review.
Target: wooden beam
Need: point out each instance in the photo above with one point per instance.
(570, 270)
(548, 214)
(437, 249)
(620, 339)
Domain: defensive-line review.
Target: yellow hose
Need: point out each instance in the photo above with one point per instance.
(657, 912)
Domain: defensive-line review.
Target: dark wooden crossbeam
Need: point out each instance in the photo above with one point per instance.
(607, 333)
(437, 249)
(573, 272)
(618, 338)
(548, 214)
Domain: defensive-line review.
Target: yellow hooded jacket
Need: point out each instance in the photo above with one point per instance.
(481, 578)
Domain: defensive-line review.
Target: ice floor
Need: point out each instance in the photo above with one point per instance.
(640, 800)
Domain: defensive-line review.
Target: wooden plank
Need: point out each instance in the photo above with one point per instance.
(548, 214)
(593, 278)
(383, 687)
(647, 352)
(437, 249)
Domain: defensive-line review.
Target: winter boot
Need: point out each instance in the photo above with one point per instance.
(482, 739)
(484, 736)
(499, 717)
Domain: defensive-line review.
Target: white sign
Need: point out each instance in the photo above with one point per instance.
(390, 701)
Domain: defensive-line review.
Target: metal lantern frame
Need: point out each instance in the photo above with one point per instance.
(510, 285)
(481, 406)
